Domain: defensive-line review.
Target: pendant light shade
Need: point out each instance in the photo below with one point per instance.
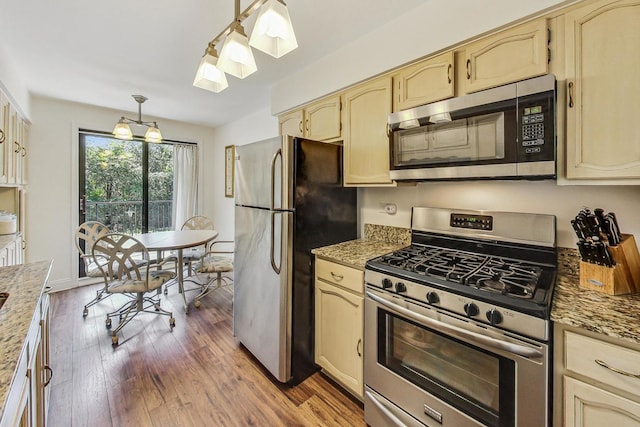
(236, 57)
(273, 32)
(122, 130)
(209, 76)
(153, 134)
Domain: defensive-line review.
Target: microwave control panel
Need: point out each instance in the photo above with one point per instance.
(536, 131)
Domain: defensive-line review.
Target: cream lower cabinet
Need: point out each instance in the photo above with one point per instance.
(508, 56)
(602, 46)
(366, 142)
(27, 402)
(339, 317)
(599, 380)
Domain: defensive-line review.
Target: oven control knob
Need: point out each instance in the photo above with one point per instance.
(432, 297)
(401, 287)
(471, 309)
(494, 316)
(386, 283)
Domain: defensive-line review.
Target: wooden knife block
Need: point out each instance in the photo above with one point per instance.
(622, 278)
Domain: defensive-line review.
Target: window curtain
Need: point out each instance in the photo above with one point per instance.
(185, 183)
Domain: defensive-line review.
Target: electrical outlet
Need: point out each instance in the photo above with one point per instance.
(390, 208)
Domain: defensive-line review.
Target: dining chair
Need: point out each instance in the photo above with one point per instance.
(123, 274)
(214, 264)
(86, 236)
(191, 255)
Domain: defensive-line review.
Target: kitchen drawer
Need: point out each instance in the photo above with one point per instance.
(340, 275)
(581, 353)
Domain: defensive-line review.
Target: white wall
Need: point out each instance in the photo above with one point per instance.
(258, 126)
(52, 171)
(13, 86)
(517, 196)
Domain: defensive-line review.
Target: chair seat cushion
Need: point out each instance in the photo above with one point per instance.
(156, 279)
(214, 264)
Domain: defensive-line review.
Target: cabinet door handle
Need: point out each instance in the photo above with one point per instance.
(50, 372)
(616, 370)
(300, 126)
(24, 151)
(17, 150)
(358, 347)
(307, 125)
(570, 94)
(2, 136)
(449, 73)
(337, 277)
(468, 69)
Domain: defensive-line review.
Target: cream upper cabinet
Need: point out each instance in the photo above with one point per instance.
(322, 120)
(339, 318)
(602, 46)
(4, 136)
(319, 121)
(366, 143)
(292, 123)
(424, 82)
(508, 56)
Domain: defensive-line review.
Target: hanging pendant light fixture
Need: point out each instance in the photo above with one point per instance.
(272, 34)
(122, 130)
(236, 57)
(209, 76)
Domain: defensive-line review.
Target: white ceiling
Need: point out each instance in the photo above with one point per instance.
(102, 52)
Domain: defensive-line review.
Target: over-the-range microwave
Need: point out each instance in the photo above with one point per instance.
(508, 132)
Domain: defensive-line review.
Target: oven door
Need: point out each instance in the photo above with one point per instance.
(442, 369)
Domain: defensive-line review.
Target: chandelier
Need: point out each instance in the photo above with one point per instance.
(123, 131)
(272, 34)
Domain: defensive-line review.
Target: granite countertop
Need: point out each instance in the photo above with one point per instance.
(378, 240)
(616, 316)
(24, 283)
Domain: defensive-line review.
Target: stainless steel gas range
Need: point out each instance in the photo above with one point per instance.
(457, 329)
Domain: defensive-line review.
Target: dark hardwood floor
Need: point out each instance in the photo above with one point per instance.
(195, 375)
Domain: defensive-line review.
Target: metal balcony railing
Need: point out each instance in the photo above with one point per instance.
(126, 217)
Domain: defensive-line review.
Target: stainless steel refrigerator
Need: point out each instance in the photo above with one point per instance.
(289, 199)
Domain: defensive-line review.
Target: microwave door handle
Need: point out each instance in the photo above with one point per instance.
(458, 332)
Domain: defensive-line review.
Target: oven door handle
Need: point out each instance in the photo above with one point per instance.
(458, 332)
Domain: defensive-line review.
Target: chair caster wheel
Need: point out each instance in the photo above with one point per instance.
(85, 312)
(114, 340)
(108, 323)
(172, 322)
(166, 291)
(98, 295)
(196, 304)
(157, 306)
(186, 309)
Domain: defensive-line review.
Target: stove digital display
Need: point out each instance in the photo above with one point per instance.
(474, 222)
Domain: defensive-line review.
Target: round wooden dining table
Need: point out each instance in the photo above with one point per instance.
(176, 240)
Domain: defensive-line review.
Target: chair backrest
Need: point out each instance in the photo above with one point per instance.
(120, 258)
(87, 234)
(198, 223)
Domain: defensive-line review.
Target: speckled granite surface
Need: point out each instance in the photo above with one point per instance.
(611, 315)
(378, 240)
(384, 233)
(24, 283)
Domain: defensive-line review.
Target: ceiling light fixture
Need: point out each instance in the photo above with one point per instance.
(123, 131)
(272, 34)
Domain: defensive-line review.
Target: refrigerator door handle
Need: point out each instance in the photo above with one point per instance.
(275, 267)
(277, 154)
